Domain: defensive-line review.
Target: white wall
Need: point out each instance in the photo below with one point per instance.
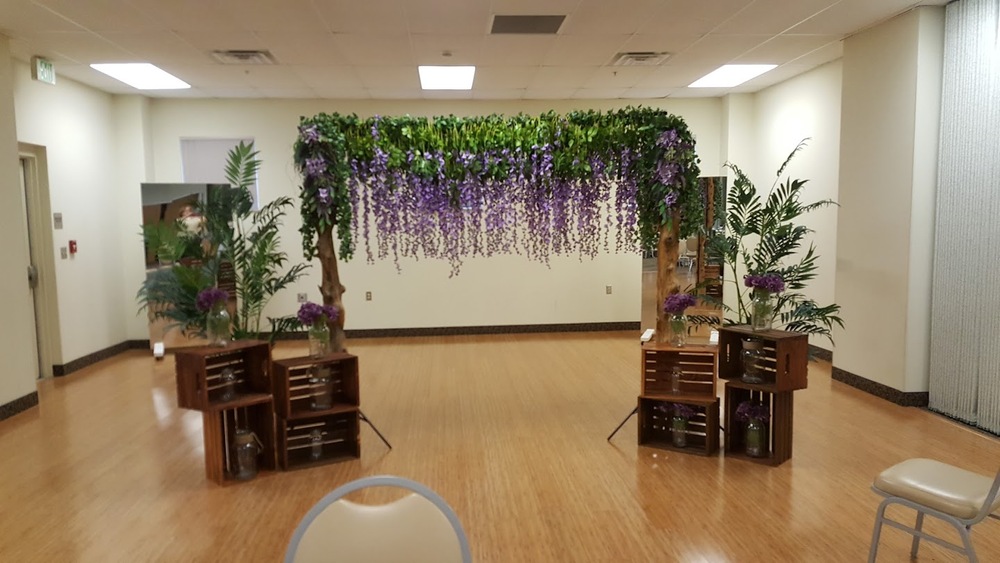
(888, 136)
(807, 105)
(494, 291)
(76, 125)
(17, 378)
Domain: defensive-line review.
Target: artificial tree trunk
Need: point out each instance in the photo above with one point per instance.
(666, 272)
(330, 287)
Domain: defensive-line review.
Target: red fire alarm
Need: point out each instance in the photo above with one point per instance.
(72, 247)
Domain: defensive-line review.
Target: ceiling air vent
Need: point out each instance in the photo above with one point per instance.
(244, 57)
(526, 24)
(640, 58)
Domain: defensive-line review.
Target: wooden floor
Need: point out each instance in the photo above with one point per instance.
(511, 430)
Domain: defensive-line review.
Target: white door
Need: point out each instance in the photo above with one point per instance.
(31, 269)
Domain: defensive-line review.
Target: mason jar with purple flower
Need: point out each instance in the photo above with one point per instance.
(317, 318)
(762, 304)
(674, 306)
(212, 301)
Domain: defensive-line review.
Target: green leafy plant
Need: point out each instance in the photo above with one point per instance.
(244, 250)
(761, 237)
(168, 242)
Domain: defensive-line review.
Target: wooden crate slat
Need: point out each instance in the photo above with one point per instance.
(702, 432)
(292, 390)
(779, 426)
(219, 429)
(786, 356)
(199, 373)
(698, 365)
(341, 439)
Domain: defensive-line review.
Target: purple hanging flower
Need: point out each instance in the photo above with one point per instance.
(667, 139)
(771, 283)
(209, 298)
(309, 134)
(323, 196)
(676, 303)
(315, 166)
(670, 199)
(312, 313)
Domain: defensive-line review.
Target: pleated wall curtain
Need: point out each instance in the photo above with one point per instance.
(965, 311)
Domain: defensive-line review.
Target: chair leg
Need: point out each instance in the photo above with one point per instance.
(877, 532)
(916, 539)
(967, 541)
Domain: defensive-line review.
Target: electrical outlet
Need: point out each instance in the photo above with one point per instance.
(607, 289)
(303, 297)
(368, 296)
(64, 252)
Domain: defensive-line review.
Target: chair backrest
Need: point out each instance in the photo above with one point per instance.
(692, 245)
(416, 528)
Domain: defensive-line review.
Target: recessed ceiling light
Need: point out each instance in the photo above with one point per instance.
(446, 77)
(142, 76)
(727, 76)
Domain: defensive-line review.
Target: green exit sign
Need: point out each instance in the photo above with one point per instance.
(42, 70)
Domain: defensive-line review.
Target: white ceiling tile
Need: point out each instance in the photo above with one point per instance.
(701, 92)
(342, 93)
(428, 49)
(772, 77)
(99, 17)
(618, 77)
(673, 76)
(77, 46)
(187, 15)
(23, 17)
(599, 17)
(388, 77)
(503, 77)
(549, 93)
(287, 93)
(375, 50)
(86, 75)
(583, 50)
(599, 93)
(515, 50)
(448, 16)
(647, 93)
(498, 94)
(824, 54)
(159, 47)
(716, 50)
(847, 17)
(685, 17)
(534, 7)
(446, 94)
(395, 94)
(225, 93)
(268, 15)
(785, 48)
(293, 48)
(561, 77)
(773, 16)
(383, 17)
(329, 77)
(266, 76)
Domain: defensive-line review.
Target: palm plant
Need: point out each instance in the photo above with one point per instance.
(761, 237)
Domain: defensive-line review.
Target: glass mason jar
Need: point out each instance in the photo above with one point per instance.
(678, 432)
(761, 310)
(678, 329)
(244, 458)
(316, 444)
(320, 388)
(752, 358)
(756, 438)
(217, 325)
(319, 339)
(228, 381)
(676, 374)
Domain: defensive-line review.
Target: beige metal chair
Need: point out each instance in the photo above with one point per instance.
(961, 498)
(691, 252)
(417, 528)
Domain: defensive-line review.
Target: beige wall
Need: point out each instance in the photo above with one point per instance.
(17, 378)
(496, 291)
(888, 135)
(76, 125)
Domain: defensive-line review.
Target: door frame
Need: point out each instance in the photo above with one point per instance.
(40, 227)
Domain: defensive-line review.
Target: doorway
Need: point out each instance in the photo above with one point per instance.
(40, 270)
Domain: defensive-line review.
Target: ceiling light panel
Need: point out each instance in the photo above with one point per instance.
(446, 77)
(727, 76)
(142, 76)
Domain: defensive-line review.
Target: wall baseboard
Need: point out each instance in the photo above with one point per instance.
(59, 370)
(471, 330)
(906, 399)
(820, 353)
(19, 405)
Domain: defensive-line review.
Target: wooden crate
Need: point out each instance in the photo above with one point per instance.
(786, 357)
(698, 362)
(340, 439)
(779, 427)
(703, 429)
(292, 391)
(219, 427)
(199, 374)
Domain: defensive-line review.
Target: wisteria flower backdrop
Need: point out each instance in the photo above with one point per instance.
(451, 187)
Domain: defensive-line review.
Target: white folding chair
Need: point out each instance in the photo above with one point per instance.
(419, 527)
(961, 498)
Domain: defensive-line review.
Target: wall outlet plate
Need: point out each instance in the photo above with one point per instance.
(607, 289)
(368, 296)
(303, 297)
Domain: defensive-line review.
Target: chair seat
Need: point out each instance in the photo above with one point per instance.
(937, 485)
